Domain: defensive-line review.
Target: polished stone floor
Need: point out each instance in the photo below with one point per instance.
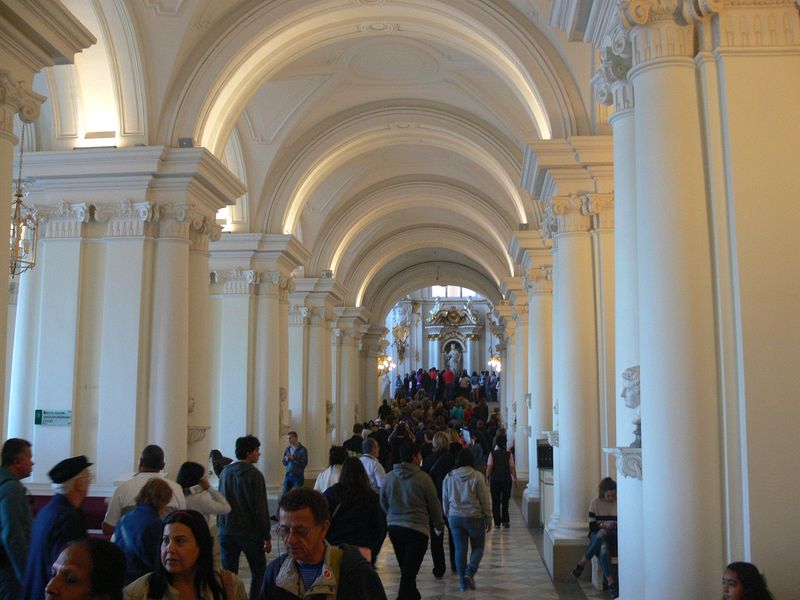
(511, 569)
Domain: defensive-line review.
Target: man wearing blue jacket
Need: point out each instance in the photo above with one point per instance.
(60, 521)
(295, 459)
(16, 517)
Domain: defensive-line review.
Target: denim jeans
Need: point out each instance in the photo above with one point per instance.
(468, 531)
(231, 546)
(600, 544)
(409, 546)
(291, 481)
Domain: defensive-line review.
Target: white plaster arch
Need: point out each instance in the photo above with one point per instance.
(100, 99)
(218, 79)
(356, 277)
(381, 138)
(384, 292)
(405, 117)
(380, 202)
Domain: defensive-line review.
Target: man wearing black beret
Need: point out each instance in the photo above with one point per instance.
(58, 523)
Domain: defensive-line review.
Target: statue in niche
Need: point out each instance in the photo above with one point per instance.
(285, 414)
(453, 355)
(631, 396)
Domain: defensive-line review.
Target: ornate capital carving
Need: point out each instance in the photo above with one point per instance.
(520, 314)
(298, 315)
(755, 23)
(565, 212)
(613, 68)
(539, 280)
(66, 220)
(16, 99)
(601, 208)
(661, 28)
(238, 281)
(126, 219)
(629, 461)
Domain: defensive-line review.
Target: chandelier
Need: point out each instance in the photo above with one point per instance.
(22, 241)
(495, 363)
(385, 364)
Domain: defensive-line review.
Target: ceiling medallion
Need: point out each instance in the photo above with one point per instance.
(378, 28)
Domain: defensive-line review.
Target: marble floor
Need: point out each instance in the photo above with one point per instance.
(511, 569)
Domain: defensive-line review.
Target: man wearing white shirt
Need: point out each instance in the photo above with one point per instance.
(374, 469)
(151, 462)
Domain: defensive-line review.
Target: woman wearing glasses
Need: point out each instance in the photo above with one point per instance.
(186, 570)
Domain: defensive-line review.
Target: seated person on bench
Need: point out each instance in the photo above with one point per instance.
(602, 533)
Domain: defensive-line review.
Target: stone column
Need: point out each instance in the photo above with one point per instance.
(371, 349)
(130, 231)
(474, 352)
(521, 395)
(199, 339)
(349, 321)
(269, 404)
(540, 374)
(318, 297)
(435, 350)
(507, 400)
(614, 88)
(576, 384)
(49, 381)
(169, 358)
(676, 309)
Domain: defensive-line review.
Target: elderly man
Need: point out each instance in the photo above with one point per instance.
(16, 518)
(374, 469)
(311, 567)
(151, 463)
(58, 523)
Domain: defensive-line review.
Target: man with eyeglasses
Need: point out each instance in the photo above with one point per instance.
(311, 567)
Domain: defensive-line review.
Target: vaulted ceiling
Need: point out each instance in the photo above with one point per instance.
(386, 135)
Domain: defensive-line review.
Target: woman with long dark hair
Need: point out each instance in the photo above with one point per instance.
(186, 569)
(501, 473)
(356, 515)
(203, 498)
(742, 581)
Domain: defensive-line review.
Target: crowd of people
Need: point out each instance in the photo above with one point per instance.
(426, 468)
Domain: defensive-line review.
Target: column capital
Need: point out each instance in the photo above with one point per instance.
(64, 220)
(17, 99)
(126, 218)
(520, 314)
(739, 24)
(601, 208)
(539, 280)
(564, 214)
(610, 82)
(237, 281)
(661, 28)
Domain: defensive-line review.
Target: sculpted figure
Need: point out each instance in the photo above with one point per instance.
(630, 394)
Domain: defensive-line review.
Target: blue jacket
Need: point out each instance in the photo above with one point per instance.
(297, 466)
(138, 533)
(16, 521)
(57, 524)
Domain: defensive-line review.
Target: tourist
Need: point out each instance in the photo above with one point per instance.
(742, 581)
(87, 569)
(295, 459)
(438, 464)
(139, 531)
(329, 476)
(246, 527)
(61, 521)
(16, 516)
(501, 473)
(602, 532)
(311, 567)
(408, 497)
(185, 567)
(468, 509)
(356, 515)
(203, 498)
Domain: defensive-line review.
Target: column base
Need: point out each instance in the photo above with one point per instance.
(519, 488)
(561, 554)
(530, 509)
